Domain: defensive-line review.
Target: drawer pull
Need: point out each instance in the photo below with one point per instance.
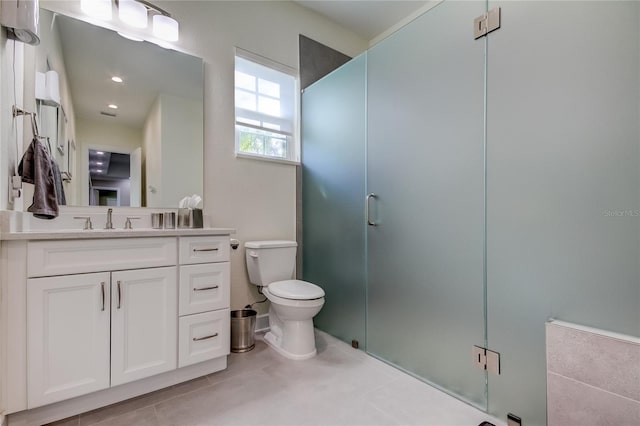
(206, 288)
(119, 295)
(205, 249)
(102, 285)
(195, 339)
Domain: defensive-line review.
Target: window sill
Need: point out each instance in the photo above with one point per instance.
(267, 159)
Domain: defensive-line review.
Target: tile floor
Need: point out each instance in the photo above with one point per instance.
(341, 386)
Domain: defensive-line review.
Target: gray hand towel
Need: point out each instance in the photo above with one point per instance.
(57, 177)
(35, 168)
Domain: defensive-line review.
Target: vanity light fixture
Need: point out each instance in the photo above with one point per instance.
(113, 106)
(116, 79)
(129, 36)
(165, 27)
(133, 13)
(99, 9)
(99, 163)
(100, 152)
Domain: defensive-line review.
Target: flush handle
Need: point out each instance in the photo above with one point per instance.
(368, 209)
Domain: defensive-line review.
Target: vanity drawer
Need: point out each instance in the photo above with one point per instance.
(48, 258)
(204, 249)
(203, 337)
(204, 287)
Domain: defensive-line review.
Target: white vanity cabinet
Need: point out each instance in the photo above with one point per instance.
(68, 336)
(93, 321)
(204, 299)
(143, 323)
(87, 332)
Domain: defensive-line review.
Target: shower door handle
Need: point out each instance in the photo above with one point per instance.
(368, 209)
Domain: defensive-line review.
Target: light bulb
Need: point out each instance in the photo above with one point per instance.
(165, 28)
(100, 9)
(132, 13)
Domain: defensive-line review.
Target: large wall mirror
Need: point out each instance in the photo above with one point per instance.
(129, 123)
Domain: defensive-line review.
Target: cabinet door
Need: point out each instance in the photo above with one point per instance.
(144, 314)
(68, 336)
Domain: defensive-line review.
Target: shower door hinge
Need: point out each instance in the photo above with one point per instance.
(485, 359)
(486, 23)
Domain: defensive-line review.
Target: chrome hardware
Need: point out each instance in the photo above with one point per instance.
(87, 222)
(119, 295)
(206, 249)
(206, 288)
(196, 339)
(485, 359)
(102, 285)
(486, 23)
(127, 223)
(368, 210)
(109, 224)
(234, 243)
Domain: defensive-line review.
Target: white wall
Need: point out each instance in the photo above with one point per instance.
(11, 129)
(152, 156)
(49, 55)
(182, 145)
(101, 136)
(257, 198)
(173, 144)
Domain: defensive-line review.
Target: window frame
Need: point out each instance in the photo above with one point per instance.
(293, 148)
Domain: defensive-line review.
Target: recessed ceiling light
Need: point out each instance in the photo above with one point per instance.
(116, 79)
(113, 106)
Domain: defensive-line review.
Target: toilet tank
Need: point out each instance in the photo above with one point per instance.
(270, 261)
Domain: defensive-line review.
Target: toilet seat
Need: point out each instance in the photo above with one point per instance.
(296, 290)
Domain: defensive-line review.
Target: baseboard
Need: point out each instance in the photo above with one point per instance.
(262, 323)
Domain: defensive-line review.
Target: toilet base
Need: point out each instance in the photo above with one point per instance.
(275, 342)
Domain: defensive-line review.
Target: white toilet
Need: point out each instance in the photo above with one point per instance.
(294, 303)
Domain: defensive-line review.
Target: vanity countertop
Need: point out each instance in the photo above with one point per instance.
(70, 234)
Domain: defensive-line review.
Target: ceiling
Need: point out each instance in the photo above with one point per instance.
(366, 18)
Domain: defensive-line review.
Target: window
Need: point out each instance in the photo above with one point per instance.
(266, 109)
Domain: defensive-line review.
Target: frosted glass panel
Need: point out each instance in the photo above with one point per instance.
(333, 160)
(425, 163)
(563, 184)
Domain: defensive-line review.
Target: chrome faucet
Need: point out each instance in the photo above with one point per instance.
(109, 224)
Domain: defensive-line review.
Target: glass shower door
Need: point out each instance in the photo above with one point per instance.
(425, 166)
(333, 179)
(563, 184)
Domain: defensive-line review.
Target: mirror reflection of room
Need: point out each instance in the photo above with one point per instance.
(124, 98)
(110, 179)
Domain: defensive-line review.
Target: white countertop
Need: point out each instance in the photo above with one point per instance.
(70, 234)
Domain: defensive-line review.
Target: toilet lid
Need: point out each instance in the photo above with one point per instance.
(296, 290)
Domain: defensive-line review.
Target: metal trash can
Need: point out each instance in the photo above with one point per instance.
(243, 328)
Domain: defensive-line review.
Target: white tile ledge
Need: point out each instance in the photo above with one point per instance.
(611, 334)
(67, 234)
